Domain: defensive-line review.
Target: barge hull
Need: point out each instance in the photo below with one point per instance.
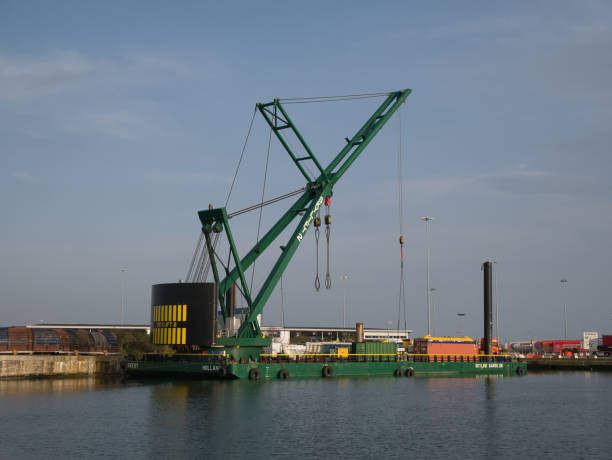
(267, 371)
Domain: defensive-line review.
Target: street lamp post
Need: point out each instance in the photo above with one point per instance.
(427, 220)
(563, 283)
(344, 278)
(122, 270)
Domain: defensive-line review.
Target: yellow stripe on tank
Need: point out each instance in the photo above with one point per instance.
(183, 332)
(184, 312)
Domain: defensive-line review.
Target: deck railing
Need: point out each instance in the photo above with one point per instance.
(332, 357)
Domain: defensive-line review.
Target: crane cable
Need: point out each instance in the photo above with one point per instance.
(349, 97)
(400, 203)
(282, 302)
(317, 224)
(327, 232)
(263, 193)
(201, 273)
(195, 255)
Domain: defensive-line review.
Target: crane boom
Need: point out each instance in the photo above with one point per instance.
(307, 205)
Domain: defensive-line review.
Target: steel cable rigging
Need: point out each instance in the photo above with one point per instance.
(400, 203)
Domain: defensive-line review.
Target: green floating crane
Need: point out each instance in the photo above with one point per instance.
(318, 191)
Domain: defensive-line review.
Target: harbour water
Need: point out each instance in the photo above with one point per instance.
(554, 415)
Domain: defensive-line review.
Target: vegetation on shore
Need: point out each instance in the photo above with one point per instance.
(134, 344)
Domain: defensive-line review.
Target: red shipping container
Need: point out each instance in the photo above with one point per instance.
(446, 348)
(606, 340)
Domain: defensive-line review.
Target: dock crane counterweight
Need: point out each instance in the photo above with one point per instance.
(318, 190)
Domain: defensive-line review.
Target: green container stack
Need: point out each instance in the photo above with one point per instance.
(375, 351)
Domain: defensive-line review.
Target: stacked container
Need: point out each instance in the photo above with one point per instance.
(444, 347)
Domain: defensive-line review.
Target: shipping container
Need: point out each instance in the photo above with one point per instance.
(48, 340)
(20, 339)
(522, 347)
(45, 340)
(100, 342)
(85, 342)
(439, 348)
(4, 339)
(112, 341)
(606, 340)
(375, 350)
(65, 342)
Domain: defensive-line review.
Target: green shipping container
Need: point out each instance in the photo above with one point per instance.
(375, 351)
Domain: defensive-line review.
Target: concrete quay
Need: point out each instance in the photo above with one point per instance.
(560, 364)
(29, 366)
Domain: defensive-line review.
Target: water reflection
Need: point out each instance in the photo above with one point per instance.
(473, 417)
(64, 385)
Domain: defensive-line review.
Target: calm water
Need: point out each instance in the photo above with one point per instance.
(557, 415)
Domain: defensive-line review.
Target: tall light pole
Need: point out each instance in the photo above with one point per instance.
(427, 220)
(563, 283)
(122, 270)
(433, 307)
(344, 278)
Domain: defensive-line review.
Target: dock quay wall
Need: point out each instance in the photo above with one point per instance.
(26, 366)
(581, 364)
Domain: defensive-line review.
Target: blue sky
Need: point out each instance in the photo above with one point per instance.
(119, 121)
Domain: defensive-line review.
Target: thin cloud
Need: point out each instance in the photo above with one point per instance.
(26, 75)
(59, 70)
(127, 125)
(513, 182)
(25, 177)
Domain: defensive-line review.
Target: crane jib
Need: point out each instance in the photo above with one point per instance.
(216, 220)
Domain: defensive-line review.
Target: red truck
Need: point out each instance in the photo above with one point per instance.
(559, 346)
(605, 348)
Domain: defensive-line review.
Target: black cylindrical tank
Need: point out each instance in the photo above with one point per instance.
(183, 314)
(487, 270)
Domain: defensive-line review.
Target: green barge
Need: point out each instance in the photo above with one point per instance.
(319, 366)
(198, 316)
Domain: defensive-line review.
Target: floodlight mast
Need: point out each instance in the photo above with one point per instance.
(307, 205)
